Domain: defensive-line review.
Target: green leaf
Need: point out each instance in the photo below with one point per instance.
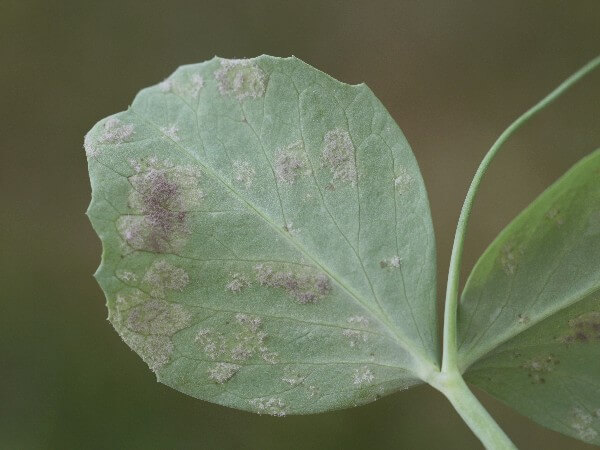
(529, 319)
(267, 241)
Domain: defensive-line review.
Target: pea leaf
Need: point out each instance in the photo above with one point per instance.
(267, 240)
(529, 319)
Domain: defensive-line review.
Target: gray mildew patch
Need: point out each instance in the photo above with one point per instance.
(222, 372)
(243, 173)
(147, 324)
(160, 198)
(583, 423)
(584, 328)
(240, 78)
(290, 163)
(162, 276)
(244, 340)
(113, 132)
(363, 376)
(402, 180)
(338, 155)
(539, 368)
(238, 283)
(273, 406)
(305, 288)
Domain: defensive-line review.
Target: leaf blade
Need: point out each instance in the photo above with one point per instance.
(245, 189)
(524, 301)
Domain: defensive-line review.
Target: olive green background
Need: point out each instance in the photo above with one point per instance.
(452, 73)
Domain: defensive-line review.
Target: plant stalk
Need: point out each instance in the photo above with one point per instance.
(449, 359)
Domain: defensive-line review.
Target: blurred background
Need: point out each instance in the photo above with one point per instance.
(453, 75)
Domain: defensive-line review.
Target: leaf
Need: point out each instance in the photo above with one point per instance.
(529, 319)
(267, 241)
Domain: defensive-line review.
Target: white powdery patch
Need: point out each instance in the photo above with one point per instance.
(267, 356)
(359, 320)
(162, 276)
(197, 83)
(222, 372)
(292, 379)
(126, 276)
(171, 132)
(166, 85)
(116, 132)
(363, 376)
(393, 262)
(90, 149)
(243, 173)
(355, 337)
(240, 78)
(582, 423)
(402, 180)
(238, 283)
(214, 344)
(273, 406)
(338, 155)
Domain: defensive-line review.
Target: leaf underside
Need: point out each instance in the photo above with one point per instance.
(267, 240)
(529, 319)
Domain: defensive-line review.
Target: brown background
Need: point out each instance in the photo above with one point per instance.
(453, 74)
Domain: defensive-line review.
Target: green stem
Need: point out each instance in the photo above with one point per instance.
(472, 412)
(449, 361)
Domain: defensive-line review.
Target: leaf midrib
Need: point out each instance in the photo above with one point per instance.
(394, 332)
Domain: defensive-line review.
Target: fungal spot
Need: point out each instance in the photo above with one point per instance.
(273, 406)
(253, 323)
(402, 180)
(583, 423)
(554, 215)
(160, 198)
(313, 391)
(538, 368)
(238, 283)
(522, 319)
(222, 372)
(240, 344)
(184, 85)
(509, 257)
(147, 325)
(157, 317)
(289, 163)
(305, 288)
(355, 337)
(584, 328)
(162, 275)
(359, 320)
(240, 78)
(363, 376)
(171, 132)
(126, 276)
(393, 262)
(90, 149)
(338, 155)
(243, 173)
(293, 379)
(114, 132)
